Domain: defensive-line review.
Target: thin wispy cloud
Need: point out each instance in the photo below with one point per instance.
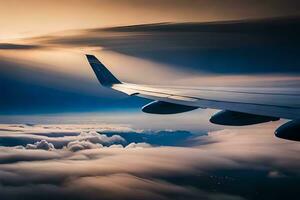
(12, 46)
(224, 47)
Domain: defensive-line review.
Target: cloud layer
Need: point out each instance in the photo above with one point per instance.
(92, 165)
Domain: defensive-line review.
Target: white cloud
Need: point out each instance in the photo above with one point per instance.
(95, 137)
(81, 145)
(138, 145)
(58, 136)
(43, 144)
(116, 146)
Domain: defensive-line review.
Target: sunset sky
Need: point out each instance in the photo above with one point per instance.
(63, 136)
(199, 43)
(33, 17)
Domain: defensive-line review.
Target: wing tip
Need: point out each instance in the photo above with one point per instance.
(89, 55)
(91, 58)
(105, 77)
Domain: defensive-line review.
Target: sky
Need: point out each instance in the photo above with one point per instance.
(45, 73)
(33, 17)
(64, 136)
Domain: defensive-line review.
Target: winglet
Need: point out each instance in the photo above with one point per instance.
(104, 76)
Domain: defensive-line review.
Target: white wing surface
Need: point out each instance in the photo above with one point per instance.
(240, 106)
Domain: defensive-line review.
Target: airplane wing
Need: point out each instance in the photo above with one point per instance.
(239, 106)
